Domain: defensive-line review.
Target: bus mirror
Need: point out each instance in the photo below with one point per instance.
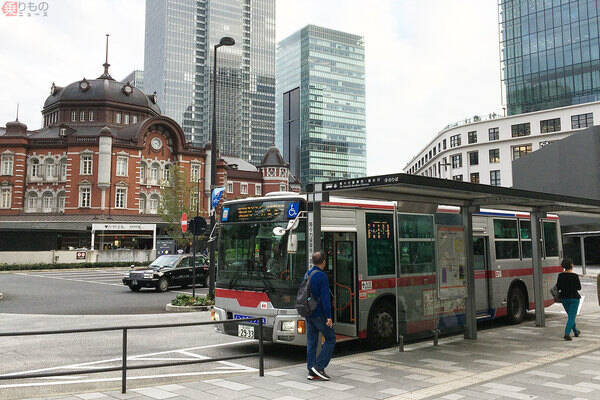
(292, 225)
(279, 231)
(292, 244)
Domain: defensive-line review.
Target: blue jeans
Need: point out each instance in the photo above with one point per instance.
(314, 325)
(570, 306)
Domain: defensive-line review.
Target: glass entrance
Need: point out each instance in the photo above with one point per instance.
(481, 269)
(340, 249)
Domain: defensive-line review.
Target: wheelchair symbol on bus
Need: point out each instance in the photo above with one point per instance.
(292, 211)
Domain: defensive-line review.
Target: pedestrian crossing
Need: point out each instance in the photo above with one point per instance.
(108, 276)
(112, 276)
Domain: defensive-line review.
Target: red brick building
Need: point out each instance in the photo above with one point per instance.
(103, 155)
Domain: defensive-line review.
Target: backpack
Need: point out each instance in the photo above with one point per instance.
(305, 303)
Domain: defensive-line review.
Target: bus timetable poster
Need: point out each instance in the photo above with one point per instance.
(450, 243)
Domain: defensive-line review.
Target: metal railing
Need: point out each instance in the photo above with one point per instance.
(123, 368)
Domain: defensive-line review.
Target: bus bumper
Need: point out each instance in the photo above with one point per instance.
(286, 329)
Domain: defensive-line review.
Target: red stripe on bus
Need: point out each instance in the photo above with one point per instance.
(244, 298)
(419, 280)
(377, 206)
(451, 228)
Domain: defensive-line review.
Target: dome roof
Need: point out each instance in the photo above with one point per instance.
(102, 89)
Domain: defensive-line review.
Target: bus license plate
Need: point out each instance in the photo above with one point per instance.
(246, 331)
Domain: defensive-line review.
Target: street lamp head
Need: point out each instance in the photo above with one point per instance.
(227, 41)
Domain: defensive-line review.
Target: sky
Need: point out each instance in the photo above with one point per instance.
(428, 62)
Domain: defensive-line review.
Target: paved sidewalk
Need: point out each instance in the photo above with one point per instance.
(591, 271)
(515, 362)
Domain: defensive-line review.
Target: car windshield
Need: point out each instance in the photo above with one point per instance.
(164, 261)
(251, 257)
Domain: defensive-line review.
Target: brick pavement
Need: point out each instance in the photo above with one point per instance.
(514, 362)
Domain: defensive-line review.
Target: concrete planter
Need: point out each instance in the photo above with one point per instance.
(171, 308)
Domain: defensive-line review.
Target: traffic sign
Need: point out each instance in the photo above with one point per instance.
(184, 223)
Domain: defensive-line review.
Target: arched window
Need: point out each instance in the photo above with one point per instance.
(143, 172)
(32, 201)
(63, 169)
(50, 168)
(153, 203)
(142, 203)
(47, 202)
(166, 173)
(62, 201)
(35, 168)
(154, 169)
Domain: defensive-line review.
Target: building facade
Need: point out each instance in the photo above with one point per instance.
(550, 53)
(328, 67)
(105, 155)
(481, 150)
(179, 45)
(136, 78)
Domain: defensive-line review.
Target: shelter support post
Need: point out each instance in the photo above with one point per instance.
(154, 238)
(93, 239)
(582, 246)
(315, 198)
(470, 303)
(538, 273)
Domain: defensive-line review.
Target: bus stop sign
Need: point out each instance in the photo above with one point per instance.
(184, 223)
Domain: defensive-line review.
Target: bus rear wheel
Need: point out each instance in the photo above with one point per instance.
(381, 331)
(516, 308)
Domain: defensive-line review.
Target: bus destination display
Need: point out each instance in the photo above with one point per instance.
(259, 211)
(380, 243)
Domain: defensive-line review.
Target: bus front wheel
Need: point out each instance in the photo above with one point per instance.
(516, 306)
(381, 331)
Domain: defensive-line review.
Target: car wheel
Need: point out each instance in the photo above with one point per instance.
(162, 285)
(381, 331)
(134, 288)
(516, 306)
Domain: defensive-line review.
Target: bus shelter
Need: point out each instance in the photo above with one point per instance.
(469, 197)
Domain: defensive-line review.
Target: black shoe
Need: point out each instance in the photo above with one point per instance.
(312, 376)
(320, 373)
(567, 337)
(577, 333)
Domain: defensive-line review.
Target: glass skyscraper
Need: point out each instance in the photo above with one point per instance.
(550, 53)
(179, 43)
(329, 68)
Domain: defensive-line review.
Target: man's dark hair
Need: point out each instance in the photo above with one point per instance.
(566, 263)
(318, 258)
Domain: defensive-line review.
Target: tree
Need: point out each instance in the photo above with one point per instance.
(176, 199)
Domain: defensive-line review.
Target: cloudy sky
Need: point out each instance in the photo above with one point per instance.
(428, 62)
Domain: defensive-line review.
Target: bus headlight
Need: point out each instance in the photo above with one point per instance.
(288, 326)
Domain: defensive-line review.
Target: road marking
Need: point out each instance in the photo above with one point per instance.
(227, 368)
(48, 276)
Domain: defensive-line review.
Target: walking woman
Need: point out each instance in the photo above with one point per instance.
(568, 286)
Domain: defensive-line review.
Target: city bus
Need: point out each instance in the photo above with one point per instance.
(383, 264)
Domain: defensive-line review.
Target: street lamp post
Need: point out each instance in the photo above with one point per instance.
(225, 41)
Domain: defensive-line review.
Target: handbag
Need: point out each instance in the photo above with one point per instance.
(555, 294)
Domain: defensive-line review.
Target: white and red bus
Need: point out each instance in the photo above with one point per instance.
(383, 267)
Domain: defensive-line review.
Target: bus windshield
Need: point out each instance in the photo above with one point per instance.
(251, 257)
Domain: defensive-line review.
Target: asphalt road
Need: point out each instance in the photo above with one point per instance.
(95, 350)
(80, 292)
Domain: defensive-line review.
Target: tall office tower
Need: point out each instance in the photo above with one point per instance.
(136, 78)
(329, 68)
(180, 39)
(550, 53)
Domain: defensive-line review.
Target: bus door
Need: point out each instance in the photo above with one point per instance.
(341, 255)
(481, 266)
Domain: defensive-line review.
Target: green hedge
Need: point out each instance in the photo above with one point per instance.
(186, 300)
(24, 267)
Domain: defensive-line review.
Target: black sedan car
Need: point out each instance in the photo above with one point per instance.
(167, 271)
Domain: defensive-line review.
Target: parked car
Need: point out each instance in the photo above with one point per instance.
(167, 271)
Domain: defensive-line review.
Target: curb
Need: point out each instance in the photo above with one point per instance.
(171, 308)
